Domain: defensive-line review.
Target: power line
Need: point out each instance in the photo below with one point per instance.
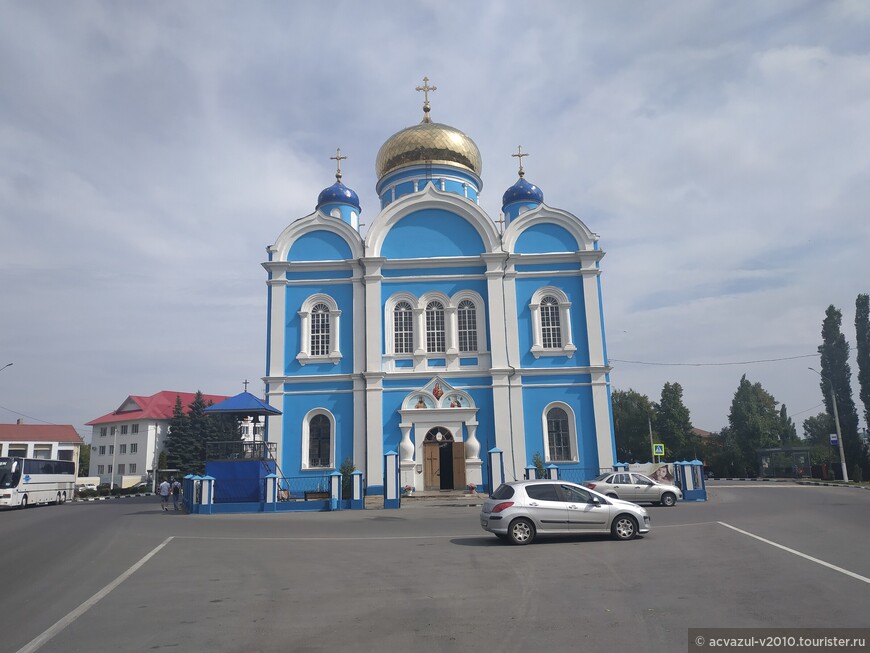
(763, 360)
(35, 419)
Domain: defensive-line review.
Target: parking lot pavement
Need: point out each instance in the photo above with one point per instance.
(428, 578)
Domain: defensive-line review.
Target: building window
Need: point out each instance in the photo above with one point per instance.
(435, 337)
(123, 449)
(101, 469)
(42, 451)
(121, 468)
(134, 428)
(560, 434)
(403, 328)
(102, 431)
(467, 321)
(114, 430)
(102, 450)
(111, 449)
(109, 469)
(318, 441)
(123, 429)
(134, 447)
(551, 323)
(319, 330)
(132, 468)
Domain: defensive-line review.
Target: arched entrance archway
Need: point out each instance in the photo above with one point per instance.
(443, 460)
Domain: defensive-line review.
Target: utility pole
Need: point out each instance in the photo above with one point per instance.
(836, 424)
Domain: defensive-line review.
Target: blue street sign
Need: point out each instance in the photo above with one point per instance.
(834, 438)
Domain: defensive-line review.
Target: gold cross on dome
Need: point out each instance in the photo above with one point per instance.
(520, 156)
(426, 88)
(338, 159)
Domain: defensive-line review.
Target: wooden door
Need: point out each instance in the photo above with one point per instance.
(431, 466)
(458, 465)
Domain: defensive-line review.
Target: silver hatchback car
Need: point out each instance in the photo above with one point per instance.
(521, 510)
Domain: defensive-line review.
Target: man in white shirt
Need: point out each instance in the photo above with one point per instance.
(164, 490)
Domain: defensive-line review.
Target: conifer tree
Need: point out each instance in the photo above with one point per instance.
(836, 371)
(862, 347)
(673, 424)
(631, 414)
(753, 423)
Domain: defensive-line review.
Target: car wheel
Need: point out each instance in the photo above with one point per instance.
(522, 531)
(668, 499)
(624, 527)
(613, 495)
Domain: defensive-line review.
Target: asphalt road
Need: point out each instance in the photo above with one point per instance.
(426, 577)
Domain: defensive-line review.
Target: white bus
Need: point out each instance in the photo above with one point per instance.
(28, 481)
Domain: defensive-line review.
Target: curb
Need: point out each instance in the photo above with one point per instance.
(823, 483)
(120, 496)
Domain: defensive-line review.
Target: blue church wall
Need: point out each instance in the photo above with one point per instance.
(545, 238)
(295, 297)
(420, 272)
(430, 233)
(303, 275)
(579, 398)
(401, 182)
(573, 289)
(297, 406)
(319, 245)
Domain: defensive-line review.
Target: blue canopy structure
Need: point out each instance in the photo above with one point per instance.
(244, 405)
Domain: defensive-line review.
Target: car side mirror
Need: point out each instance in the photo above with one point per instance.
(595, 501)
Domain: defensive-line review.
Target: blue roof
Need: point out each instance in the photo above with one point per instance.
(522, 191)
(243, 404)
(338, 193)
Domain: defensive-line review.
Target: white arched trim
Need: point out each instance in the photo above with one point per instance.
(430, 198)
(306, 442)
(305, 354)
(550, 456)
(543, 214)
(539, 346)
(479, 317)
(317, 221)
(390, 323)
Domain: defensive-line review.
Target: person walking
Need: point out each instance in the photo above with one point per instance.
(176, 492)
(164, 490)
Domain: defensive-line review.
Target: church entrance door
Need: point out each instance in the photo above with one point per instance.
(444, 461)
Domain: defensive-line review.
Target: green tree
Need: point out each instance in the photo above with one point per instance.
(632, 412)
(836, 372)
(673, 424)
(753, 423)
(787, 431)
(190, 432)
(84, 459)
(862, 349)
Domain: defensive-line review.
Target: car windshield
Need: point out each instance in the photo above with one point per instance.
(601, 477)
(503, 492)
(7, 473)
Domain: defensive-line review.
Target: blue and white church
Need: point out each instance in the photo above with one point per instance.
(441, 333)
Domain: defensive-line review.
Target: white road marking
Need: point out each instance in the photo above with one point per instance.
(799, 554)
(39, 641)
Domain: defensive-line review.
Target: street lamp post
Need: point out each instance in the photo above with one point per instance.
(836, 424)
(114, 453)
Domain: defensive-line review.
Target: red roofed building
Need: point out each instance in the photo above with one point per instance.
(47, 441)
(126, 443)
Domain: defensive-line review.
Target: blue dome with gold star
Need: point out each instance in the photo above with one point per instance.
(338, 193)
(522, 191)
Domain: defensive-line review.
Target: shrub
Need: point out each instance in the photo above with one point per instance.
(538, 462)
(347, 469)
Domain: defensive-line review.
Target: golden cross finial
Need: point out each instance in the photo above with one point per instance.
(500, 223)
(520, 156)
(426, 88)
(338, 159)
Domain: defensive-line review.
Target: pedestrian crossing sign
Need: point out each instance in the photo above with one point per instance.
(658, 450)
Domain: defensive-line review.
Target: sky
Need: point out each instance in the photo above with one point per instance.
(150, 152)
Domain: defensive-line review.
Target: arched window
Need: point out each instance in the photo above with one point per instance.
(558, 435)
(551, 325)
(467, 324)
(319, 440)
(320, 330)
(435, 338)
(403, 328)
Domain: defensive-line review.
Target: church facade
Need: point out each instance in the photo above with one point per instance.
(441, 333)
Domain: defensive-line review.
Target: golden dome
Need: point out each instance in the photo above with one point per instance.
(428, 142)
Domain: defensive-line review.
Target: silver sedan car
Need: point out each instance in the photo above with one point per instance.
(521, 510)
(635, 487)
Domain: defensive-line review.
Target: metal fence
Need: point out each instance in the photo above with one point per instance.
(237, 450)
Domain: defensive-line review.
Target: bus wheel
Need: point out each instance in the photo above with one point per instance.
(24, 501)
(57, 499)
(63, 498)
